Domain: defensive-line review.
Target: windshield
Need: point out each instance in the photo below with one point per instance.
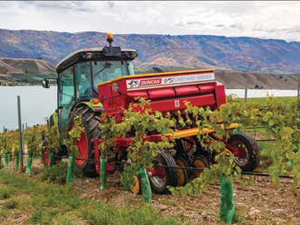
(107, 70)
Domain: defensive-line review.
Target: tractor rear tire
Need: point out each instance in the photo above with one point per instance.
(159, 185)
(90, 122)
(250, 148)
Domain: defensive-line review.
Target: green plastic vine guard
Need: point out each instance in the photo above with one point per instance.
(145, 183)
(6, 156)
(227, 208)
(103, 173)
(29, 162)
(17, 163)
(51, 159)
(70, 170)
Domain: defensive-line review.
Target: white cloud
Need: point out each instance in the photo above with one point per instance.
(257, 19)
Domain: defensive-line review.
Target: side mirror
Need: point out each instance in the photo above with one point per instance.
(46, 83)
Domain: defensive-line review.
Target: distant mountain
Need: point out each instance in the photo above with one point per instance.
(20, 71)
(163, 51)
(19, 66)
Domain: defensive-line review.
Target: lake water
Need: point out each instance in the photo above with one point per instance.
(38, 103)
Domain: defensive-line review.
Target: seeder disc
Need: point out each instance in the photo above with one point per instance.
(182, 174)
(200, 162)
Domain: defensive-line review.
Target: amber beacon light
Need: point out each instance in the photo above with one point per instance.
(109, 38)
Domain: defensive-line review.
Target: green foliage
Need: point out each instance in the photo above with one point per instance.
(206, 121)
(282, 121)
(52, 139)
(126, 178)
(138, 121)
(56, 174)
(142, 121)
(16, 152)
(12, 143)
(225, 166)
(280, 118)
(74, 136)
(33, 139)
(5, 143)
(109, 130)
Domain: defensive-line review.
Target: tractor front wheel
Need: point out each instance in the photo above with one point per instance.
(90, 122)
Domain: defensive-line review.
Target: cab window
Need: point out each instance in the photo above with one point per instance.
(66, 95)
(66, 87)
(83, 79)
(107, 70)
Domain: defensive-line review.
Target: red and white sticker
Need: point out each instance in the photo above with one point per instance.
(169, 81)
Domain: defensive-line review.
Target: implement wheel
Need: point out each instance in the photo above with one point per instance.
(182, 174)
(200, 162)
(161, 177)
(246, 151)
(90, 122)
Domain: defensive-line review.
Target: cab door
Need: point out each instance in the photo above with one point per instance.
(83, 78)
(66, 96)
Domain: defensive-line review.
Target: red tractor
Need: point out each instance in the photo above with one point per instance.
(91, 81)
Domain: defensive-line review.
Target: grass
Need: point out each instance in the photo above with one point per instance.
(46, 203)
(11, 204)
(56, 174)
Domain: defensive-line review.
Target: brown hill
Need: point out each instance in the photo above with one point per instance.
(234, 79)
(18, 66)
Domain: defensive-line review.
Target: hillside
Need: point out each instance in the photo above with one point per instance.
(15, 71)
(235, 79)
(21, 70)
(9, 66)
(164, 51)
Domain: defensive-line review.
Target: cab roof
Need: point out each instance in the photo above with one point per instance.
(95, 54)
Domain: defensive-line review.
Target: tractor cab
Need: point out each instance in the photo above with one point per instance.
(82, 70)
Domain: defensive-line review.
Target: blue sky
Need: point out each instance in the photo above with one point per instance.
(278, 20)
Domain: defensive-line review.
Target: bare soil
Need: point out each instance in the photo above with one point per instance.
(256, 199)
